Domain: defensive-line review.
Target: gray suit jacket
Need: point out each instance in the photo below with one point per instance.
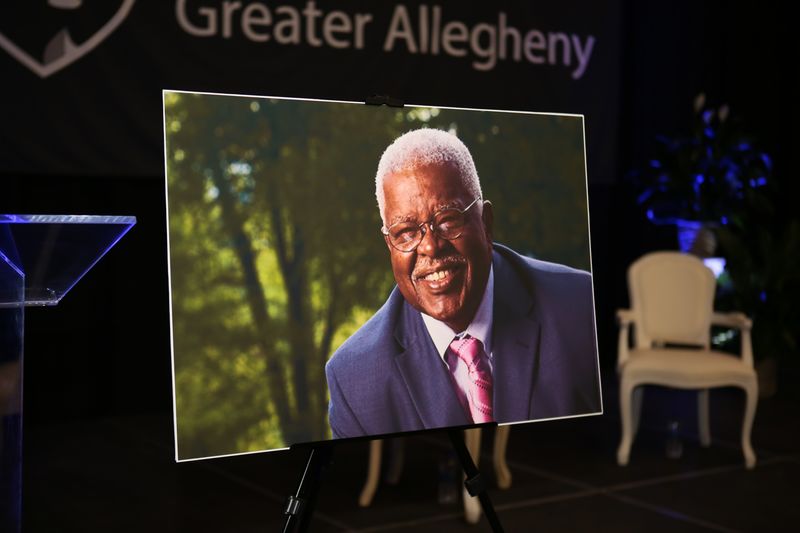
(388, 378)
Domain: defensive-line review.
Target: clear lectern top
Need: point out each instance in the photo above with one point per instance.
(53, 252)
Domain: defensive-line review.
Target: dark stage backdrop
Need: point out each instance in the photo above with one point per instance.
(81, 132)
(82, 87)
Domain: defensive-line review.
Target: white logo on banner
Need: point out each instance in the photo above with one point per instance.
(61, 50)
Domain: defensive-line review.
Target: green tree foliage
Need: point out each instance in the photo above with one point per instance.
(533, 170)
(275, 253)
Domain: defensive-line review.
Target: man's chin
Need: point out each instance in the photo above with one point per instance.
(446, 311)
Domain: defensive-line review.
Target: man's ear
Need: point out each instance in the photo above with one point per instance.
(488, 219)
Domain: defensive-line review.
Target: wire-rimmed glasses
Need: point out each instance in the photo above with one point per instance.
(447, 223)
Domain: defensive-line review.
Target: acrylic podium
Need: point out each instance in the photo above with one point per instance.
(42, 257)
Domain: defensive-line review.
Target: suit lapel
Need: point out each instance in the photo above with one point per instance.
(515, 344)
(424, 374)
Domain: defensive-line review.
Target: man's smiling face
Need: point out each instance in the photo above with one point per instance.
(444, 279)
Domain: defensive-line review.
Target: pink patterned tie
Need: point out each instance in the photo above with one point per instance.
(479, 395)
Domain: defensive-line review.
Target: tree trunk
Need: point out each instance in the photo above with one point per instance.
(257, 303)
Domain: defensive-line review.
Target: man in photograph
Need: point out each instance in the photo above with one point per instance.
(473, 332)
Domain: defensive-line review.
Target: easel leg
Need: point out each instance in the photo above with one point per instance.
(300, 506)
(475, 484)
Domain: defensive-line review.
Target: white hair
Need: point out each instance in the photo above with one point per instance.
(423, 147)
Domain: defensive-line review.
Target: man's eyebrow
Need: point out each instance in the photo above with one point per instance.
(408, 218)
(452, 204)
(401, 218)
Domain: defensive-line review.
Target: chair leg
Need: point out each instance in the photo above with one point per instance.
(373, 473)
(636, 409)
(397, 455)
(501, 470)
(702, 418)
(626, 417)
(472, 505)
(751, 394)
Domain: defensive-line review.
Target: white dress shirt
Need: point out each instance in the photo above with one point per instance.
(480, 328)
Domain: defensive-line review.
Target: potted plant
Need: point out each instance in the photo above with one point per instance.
(697, 182)
(761, 245)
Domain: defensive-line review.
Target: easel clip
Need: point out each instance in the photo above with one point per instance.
(294, 506)
(382, 99)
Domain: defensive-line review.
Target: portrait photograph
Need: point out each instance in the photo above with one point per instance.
(342, 270)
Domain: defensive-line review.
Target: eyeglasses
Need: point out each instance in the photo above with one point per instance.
(446, 223)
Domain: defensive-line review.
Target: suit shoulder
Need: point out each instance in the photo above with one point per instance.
(370, 340)
(556, 277)
(545, 272)
(555, 269)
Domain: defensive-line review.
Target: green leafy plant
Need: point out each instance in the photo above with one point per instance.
(703, 177)
(761, 245)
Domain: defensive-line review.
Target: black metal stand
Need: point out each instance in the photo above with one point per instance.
(300, 506)
(475, 484)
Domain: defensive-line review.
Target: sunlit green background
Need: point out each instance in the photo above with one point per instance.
(276, 255)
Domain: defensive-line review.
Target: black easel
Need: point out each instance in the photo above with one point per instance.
(475, 484)
(300, 506)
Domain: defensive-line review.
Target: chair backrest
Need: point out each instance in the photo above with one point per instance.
(672, 299)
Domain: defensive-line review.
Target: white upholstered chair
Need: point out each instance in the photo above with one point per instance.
(672, 297)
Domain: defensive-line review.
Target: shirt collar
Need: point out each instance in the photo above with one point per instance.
(480, 327)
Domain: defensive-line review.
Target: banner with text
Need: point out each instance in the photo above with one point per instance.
(83, 79)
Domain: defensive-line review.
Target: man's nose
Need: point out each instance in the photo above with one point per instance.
(431, 244)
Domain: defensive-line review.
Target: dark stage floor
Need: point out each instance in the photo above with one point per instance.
(117, 474)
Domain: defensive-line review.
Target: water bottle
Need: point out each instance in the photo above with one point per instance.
(449, 477)
(674, 447)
